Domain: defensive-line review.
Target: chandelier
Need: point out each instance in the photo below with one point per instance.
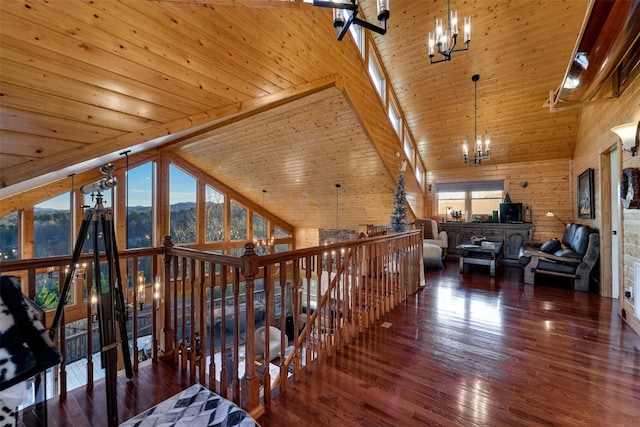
(445, 41)
(263, 245)
(345, 13)
(478, 154)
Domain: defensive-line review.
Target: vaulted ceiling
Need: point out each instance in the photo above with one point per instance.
(260, 95)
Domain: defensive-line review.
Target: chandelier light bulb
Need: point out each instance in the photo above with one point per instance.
(467, 29)
(454, 23)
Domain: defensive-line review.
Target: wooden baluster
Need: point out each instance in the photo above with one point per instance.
(176, 282)
(269, 315)
(136, 283)
(251, 384)
(183, 314)
(189, 349)
(155, 301)
(212, 328)
(236, 334)
(224, 375)
(167, 337)
(201, 352)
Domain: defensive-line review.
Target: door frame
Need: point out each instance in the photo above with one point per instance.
(606, 180)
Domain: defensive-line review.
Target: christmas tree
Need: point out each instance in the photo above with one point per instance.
(399, 220)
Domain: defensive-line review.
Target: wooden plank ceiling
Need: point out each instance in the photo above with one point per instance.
(82, 81)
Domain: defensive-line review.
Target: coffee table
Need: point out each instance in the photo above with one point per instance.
(476, 254)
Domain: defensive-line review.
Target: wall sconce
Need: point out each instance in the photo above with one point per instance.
(629, 134)
(140, 289)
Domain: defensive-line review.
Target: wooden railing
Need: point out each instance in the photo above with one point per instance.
(208, 306)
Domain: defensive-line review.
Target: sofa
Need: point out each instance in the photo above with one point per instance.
(575, 255)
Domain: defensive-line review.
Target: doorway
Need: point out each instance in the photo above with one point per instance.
(611, 227)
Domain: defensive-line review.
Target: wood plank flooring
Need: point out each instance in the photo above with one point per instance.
(467, 350)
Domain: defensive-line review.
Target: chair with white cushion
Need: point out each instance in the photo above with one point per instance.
(274, 342)
(431, 236)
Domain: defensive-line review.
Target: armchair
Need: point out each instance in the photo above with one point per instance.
(431, 236)
(275, 349)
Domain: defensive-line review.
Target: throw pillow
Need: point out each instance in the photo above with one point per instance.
(551, 246)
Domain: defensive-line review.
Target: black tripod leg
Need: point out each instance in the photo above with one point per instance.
(77, 251)
(118, 297)
(108, 342)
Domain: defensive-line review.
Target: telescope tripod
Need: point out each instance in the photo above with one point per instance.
(111, 304)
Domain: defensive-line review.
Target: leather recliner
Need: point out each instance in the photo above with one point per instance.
(575, 256)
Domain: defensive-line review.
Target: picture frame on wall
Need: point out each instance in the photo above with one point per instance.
(585, 195)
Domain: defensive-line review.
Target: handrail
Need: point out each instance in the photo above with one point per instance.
(205, 313)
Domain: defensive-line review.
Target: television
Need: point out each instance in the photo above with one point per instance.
(511, 213)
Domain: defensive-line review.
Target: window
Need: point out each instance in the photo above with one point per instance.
(182, 206)
(9, 237)
(48, 290)
(409, 151)
(280, 233)
(477, 197)
(238, 221)
(358, 37)
(485, 202)
(259, 227)
(140, 206)
(419, 175)
(214, 215)
(377, 78)
(283, 247)
(89, 201)
(52, 227)
(396, 120)
(451, 201)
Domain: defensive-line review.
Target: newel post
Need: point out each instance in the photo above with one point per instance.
(249, 265)
(167, 334)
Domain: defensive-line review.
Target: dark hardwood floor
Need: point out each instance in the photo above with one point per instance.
(467, 350)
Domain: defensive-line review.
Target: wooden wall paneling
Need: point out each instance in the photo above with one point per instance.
(89, 23)
(56, 106)
(594, 137)
(307, 238)
(98, 90)
(547, 189)
(38, 124)
(161, 40)
(245, 50)
(34, 32)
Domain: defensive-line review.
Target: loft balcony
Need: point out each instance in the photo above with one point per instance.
(199, 318)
